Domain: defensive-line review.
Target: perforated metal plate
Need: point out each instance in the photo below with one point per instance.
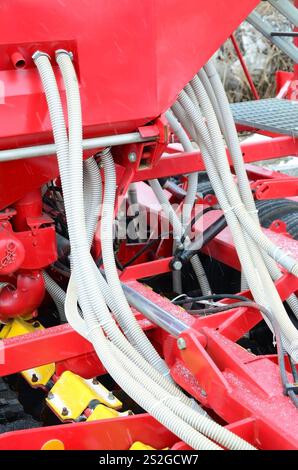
(274, 115)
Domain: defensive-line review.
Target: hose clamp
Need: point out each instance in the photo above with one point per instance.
(64, 51)
(39, 54)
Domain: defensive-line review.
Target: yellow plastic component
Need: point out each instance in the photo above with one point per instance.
(37, 376)
(18, 327)
(5, 330)
(138, 445)
(72, 394)
(104, 412)
(53, 444)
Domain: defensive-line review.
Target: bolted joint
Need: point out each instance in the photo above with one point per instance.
(181, 344)
(132, 157)
(64, 411)
(176, 265)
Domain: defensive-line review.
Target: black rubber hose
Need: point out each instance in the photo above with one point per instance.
(211, 232)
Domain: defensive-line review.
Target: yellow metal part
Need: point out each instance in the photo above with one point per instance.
(18, 327)
(53, 444)
(72, 394)
(104, 412)
(37, 376)
(138, 445)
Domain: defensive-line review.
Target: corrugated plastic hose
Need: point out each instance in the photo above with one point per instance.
(189, 200)
(234, 205)
(287, 261)
(216, 183)
(221, 106)
(134, 389)
(57, 294)
(73, 192)
(290, 332)
(203, 424)
(123, 314)
(178, 232)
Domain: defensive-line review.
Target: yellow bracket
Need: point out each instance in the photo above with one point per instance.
(37, 376)
(72, 394)
(138, 445)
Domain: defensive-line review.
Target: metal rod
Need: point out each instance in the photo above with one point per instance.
(265, 28)
(244, 67)
(154, 313)
(88, 144)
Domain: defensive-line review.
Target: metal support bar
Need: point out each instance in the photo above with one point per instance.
(286, 9)
(265, 28)
(88, 144)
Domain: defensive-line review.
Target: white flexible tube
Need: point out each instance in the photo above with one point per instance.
(287, 261)
(189, 200)
(124, 315)
(290, 332)
(80, 250)
(215, 90)
(57, 294)
(287, 327)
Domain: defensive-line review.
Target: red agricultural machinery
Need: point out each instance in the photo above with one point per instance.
(148, 268)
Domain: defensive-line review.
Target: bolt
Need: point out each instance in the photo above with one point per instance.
(34, 378)
(132, 157)
(111, 396)
(181, 343)
(177, 265)
(36, 324)
(203, 392)
(64, 411)
(50, 396)
(95, 382)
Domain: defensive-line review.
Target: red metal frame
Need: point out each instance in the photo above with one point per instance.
(242, 390)
(244, 67)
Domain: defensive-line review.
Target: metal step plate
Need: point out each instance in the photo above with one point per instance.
(275, 115)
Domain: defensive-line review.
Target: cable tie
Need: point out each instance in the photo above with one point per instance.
(233, 208)
(254, 211)
(283, 254)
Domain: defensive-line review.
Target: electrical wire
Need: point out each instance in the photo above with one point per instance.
(214, 297)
